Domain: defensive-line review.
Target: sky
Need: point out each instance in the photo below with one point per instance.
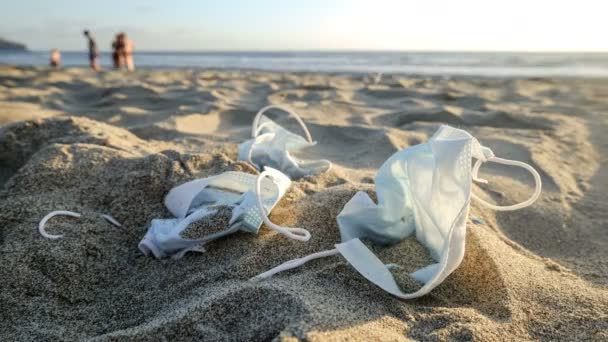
(198, 25)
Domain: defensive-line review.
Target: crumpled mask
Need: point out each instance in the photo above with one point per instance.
(271, 144)
(250, 197)
(426, 190)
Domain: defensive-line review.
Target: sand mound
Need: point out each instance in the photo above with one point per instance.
(538, 273)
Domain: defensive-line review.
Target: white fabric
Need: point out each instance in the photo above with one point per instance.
(258, 122)
(250, 197)
(163, 239)
(424, 189)
(112, 220)
(271, 143)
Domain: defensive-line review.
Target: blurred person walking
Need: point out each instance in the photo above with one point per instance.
(126, 51)
(123, 52)
(93, 51)
(55, 58)
(116, 48)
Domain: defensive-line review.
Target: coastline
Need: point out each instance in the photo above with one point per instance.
(487, 64)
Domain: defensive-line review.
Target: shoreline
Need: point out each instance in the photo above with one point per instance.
(482, 64)
(470, 77)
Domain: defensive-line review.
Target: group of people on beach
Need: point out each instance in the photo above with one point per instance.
(122, 53)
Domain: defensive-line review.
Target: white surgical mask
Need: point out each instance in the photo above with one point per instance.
(271, 143)
(250, 197)
(426, 190)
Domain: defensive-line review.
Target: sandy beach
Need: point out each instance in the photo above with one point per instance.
(116, 143)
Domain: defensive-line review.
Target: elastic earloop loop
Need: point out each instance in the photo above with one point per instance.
(295, 263)
(528, 202)
(50, 216)
(292, 233)
(255, 130)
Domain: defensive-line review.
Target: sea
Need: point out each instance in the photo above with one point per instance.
(492, 64)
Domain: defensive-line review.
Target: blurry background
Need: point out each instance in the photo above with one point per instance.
(539, 37)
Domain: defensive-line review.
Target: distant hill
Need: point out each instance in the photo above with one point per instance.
(8, 45)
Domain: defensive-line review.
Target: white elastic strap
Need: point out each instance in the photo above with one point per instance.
(260, 128)
(532, 199)
(111, 220)
(258, 117)
(292, 233)
(294, 263)
(48, 217)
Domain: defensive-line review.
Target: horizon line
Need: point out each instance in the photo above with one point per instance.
(337, 51)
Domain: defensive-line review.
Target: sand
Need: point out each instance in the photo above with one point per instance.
(214, 223)
(115, 143)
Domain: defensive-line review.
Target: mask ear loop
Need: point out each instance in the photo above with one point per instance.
(294, 263)
(528, 202)
(50, 216)
(292, 233)
(255, 130)
(259, 129)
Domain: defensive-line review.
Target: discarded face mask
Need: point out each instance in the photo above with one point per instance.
(250, 197)
(271, 144)
(424, 189)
